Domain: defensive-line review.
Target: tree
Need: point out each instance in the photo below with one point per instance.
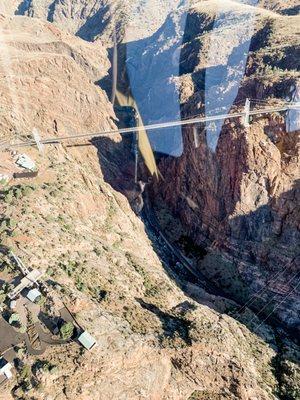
(15, 320)
(67, 330)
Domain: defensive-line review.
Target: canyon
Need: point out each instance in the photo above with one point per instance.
(231, 203)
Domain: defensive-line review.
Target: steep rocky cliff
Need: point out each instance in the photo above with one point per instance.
(41, 67)
(159, 336)
(90, 20)
(237, 194)
(154, 340)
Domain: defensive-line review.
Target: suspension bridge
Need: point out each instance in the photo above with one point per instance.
(246, 114)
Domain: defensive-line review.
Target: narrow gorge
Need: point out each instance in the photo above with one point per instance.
(189, 281)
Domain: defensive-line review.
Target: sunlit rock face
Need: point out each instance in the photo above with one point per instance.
(9, 7)
(154, 341)
(133, 20)
(207, 57)
(35, 94)
(243, 182)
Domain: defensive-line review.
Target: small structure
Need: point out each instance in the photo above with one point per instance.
(25, 162)
(34, 295)
(37, 139)
(87, 340)
(5, 368)
(196, 136)
(28, 281)
(13, 304)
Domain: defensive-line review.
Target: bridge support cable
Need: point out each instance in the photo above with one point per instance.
(247, 114)
(196, 136)
(37, 139)
(136, 156)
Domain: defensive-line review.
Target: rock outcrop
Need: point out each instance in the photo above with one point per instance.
(133, 20)
(158, 336)
(238, 191)
(40, 69)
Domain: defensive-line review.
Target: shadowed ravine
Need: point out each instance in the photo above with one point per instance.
(122, 180)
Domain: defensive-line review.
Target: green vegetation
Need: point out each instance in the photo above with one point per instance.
(225, 274)
(13, 193)
(70, 267)
(25, 373)
(108, 225)
(80, 285)
(14, 318)
(67, 330)
(21, 351)
(151, 288)
(3, 181)
(204, 395)
(15, 321)
(50, 271)
(8, 226)
(2, 297)
(6, 267)
(10, 196)
(44, 366)
(139, 321)
(24, 381)
(5, 289)
(86, 279)
(98, 251)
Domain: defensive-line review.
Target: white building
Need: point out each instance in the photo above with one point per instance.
(34, 295)
(13, 304)
(5, 368)
(87, 340)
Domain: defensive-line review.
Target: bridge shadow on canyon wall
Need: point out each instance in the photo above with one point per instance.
(117, 166)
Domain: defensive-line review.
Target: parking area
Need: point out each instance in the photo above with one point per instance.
(9, 337)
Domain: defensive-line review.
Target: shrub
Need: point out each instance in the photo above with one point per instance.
(14, 319)
(66, 330)
(25, 374)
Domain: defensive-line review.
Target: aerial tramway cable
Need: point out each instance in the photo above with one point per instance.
(278, 305)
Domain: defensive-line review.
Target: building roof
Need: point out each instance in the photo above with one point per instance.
(87, 340)
(33, 295)
(25, 162)
(13, 304)
(29, 280)
(5, 368)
